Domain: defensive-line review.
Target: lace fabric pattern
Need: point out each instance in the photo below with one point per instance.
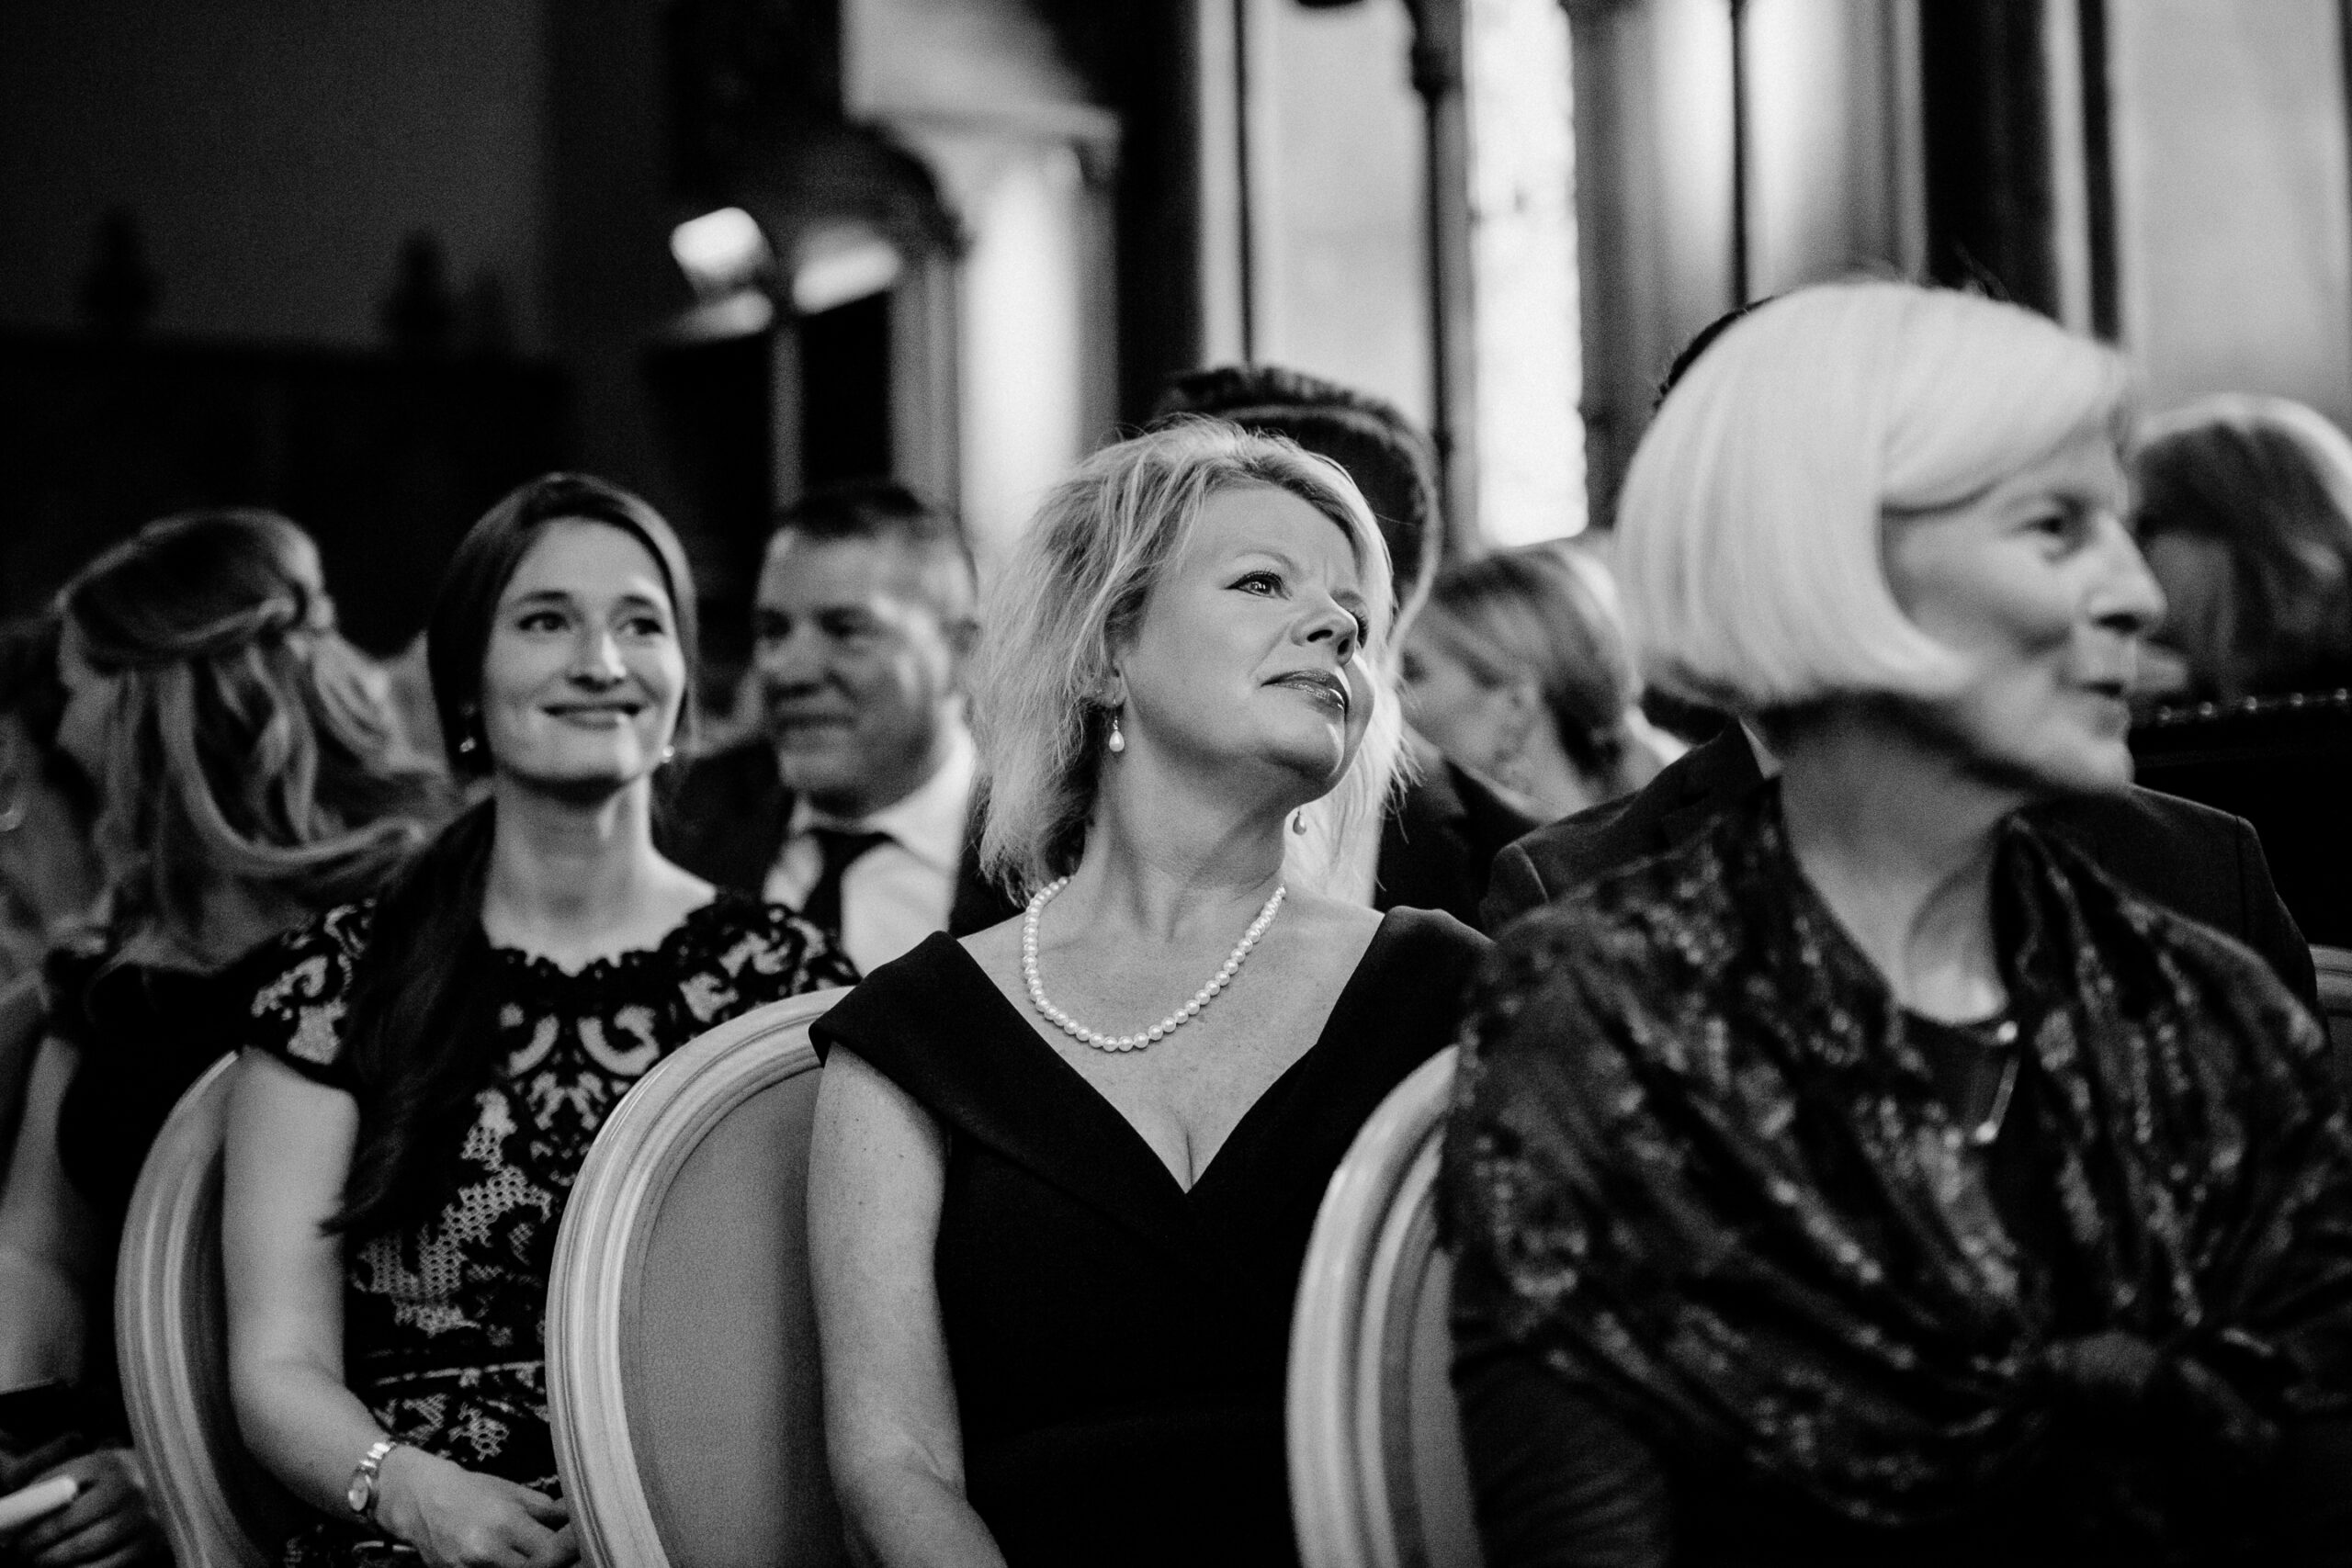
(443, 1322)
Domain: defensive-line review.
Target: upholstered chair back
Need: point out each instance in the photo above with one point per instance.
(219, 1507)
(1376, 1473)
(682, 1345)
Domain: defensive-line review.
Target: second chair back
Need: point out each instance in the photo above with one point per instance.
(682, 1344)
(218, 1508)
(1376, 1473)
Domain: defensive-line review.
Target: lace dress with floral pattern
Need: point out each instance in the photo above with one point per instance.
(443, 1324)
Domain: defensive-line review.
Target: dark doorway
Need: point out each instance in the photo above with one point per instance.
(845, 393)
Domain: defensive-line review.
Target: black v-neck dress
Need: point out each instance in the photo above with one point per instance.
(1117, 1342)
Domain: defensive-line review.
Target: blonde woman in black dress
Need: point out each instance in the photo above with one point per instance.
(1065, 1168)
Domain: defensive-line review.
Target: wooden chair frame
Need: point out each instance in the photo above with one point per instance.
(600, 1249)
(2334, 966)
(218, 1506)
(1356, 1494)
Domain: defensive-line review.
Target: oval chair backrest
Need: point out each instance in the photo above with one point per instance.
(2335, 967)
(1376, 1473)
(219, 1509)
(681, 1345)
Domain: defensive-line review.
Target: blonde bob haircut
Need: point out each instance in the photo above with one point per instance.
(1748, 535)
(1075, 591)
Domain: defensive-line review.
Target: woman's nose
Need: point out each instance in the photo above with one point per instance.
(598, 661)
(1332, 621)
(2130, 600)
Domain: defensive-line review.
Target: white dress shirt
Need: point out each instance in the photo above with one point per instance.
(894, 895)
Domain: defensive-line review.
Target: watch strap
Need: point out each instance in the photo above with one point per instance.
(364, 1477)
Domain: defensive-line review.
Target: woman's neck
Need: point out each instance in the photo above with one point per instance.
(1546, 780)
(562, 870)
(1162, 859)
(1897, 837)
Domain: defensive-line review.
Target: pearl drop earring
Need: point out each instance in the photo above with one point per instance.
(1298, 823)
(1118, 741)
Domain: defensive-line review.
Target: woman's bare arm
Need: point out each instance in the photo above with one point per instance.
(49, 1240)
(289, 1152)
(876, 1166)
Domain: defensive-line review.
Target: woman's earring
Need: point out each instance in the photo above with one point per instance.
(668, 754)
(1298, 823)
(467, 745)
(1118, 741)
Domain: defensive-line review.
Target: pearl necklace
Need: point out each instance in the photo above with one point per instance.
(1166, 1026)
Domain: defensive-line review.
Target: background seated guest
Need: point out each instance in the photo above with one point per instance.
(1056, 1243)
(1440, 833)
(856, 804)
(49, 867)
(2244, 505)
(246, 783)
(1515, 670)
(49, 875)
(1870, 1177)
(432, 1065)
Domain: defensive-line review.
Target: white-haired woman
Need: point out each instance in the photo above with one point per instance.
(1870, 1178)
(1065, 1169)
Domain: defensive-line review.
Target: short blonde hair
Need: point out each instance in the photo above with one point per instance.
(1748, 535)
(1078, 584)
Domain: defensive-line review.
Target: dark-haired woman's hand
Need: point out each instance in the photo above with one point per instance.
(458, 1518)
(107, 1524)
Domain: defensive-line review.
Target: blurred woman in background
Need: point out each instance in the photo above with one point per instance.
(246, 778)
(1869, 1177)
(49, 868)
(1516, 671)
(2244, 505)
(50, 874)
(431, 1065)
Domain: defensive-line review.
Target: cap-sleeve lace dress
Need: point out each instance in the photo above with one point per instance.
(443, 1323)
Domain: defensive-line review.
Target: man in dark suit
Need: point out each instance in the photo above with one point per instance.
(2198, 862)
(855, 802)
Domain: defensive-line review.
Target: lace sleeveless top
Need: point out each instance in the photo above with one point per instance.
(443, 1323)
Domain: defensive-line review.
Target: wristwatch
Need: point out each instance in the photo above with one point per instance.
(361, 1493)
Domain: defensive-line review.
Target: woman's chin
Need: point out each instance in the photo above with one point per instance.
(582, 780)
(1319, 763)
(2102, 768)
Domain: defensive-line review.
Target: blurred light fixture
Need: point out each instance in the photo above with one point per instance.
(841, 262)
(721, 252)
(747, 312)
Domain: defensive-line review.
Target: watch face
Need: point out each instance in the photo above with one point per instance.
(362, 1493)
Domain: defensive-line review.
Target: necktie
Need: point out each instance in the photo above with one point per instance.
(838, 849)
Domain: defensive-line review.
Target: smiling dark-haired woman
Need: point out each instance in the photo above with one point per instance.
(431, 1066)
(1870, 1178)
